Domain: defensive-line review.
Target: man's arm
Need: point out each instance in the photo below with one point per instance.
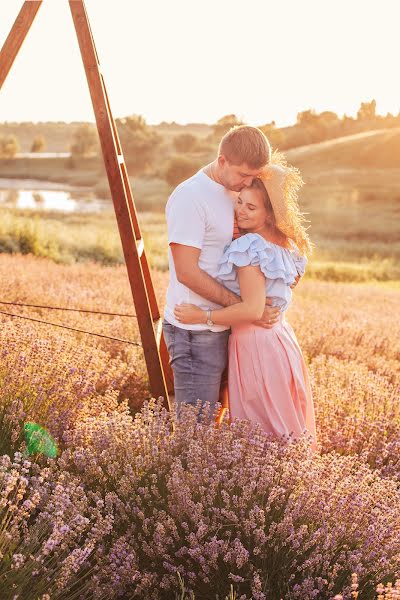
(188, 272)
(252, 288)
(296, 281)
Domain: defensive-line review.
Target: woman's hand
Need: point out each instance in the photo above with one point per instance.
(189, 313)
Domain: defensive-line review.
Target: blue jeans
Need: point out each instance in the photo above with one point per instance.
(198, 359)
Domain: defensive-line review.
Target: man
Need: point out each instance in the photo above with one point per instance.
(200, 219)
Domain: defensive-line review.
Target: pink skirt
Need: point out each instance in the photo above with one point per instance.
(268, 380)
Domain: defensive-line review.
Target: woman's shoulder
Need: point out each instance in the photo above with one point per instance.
(241, 252)
(249, 241)
(276, 262)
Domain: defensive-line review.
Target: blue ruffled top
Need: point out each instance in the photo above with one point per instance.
(279, 265)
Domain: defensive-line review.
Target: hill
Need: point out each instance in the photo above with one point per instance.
(352, 196)
(356, 168)
(376, 149)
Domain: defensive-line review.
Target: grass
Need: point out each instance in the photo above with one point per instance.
(68, 238)
(385, 270)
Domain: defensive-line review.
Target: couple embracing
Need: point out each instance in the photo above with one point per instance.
(237, 247)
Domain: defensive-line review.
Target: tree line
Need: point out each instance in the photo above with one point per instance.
(148, 151)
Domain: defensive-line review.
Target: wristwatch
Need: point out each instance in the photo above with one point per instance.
(210, 323)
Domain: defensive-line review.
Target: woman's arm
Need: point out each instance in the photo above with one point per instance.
(251, 308)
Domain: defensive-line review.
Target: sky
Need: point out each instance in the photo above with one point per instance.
(195, 61)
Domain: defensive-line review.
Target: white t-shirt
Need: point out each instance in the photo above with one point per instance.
(199, 213)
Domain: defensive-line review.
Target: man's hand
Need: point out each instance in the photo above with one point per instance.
(189, 313)
(296, 281)
(270, 316)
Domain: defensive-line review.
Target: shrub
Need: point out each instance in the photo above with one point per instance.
(9, 146)
(85, 142)
(179, 168)
(38, 144)
(186, 142)
(139, 142)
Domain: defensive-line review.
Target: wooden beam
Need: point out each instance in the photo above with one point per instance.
(149, 319)
(17, 36)
(125, 211)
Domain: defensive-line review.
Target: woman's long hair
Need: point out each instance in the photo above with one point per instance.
(293, 229)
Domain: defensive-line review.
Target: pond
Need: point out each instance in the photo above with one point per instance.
(42, 195)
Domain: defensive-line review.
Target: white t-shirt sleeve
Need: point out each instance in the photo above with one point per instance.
(186, 220)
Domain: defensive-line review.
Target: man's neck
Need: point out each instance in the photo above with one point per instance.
(212, 171)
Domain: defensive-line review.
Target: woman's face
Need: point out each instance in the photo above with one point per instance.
(250, 210)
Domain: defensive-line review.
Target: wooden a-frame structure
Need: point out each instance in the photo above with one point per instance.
(146, 307)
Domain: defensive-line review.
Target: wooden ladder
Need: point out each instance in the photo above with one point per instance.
(145, 301)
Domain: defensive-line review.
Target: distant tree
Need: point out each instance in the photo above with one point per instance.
(327, 126)
(85, 141)
(347, 123)
(206, 146)
(9, 146)
(179, 168)
(391, 120)
(275, 135)
(317, 127)
(297, 136)
(186, 142)
(224, 124)
(268, 127)
(307, 117)
(367, 111)
(139, 142)
(329, 117)
(38, 144)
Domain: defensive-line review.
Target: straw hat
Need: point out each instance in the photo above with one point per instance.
(282, 182)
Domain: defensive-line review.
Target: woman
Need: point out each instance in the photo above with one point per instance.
(267, 378)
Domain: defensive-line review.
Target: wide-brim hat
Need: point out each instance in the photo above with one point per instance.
(282, 182)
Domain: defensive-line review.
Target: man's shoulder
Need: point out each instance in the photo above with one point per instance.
(189, 190)
(192, 184)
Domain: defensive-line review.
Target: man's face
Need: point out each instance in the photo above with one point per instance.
(236, 177)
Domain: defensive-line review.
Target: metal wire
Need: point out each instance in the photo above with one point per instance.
(72, 329)
(84, 310)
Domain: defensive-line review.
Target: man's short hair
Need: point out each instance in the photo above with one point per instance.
(245, 144)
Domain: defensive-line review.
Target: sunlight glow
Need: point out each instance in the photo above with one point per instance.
(193, 62)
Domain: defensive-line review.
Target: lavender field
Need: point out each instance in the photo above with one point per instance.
(131, 509)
